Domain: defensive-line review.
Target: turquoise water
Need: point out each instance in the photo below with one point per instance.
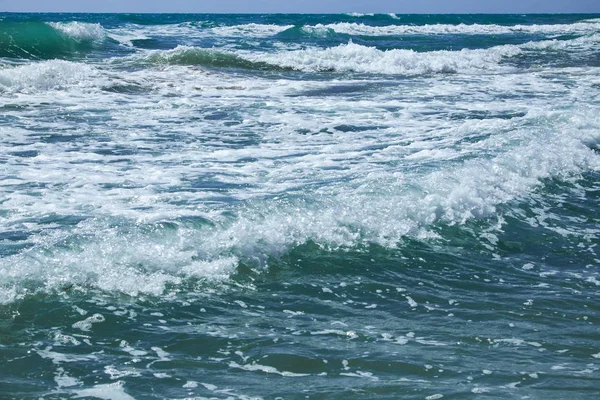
(299, 206)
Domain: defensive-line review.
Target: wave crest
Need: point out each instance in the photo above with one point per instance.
(185, 55)
(356, 58)
(351, 28)
(40, 40)
(47, 75)
(80, 31)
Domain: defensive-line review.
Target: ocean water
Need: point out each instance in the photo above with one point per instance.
(299, 206)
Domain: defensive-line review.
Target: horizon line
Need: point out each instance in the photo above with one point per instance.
(299, 13)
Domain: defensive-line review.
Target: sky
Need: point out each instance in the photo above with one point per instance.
(304, 6)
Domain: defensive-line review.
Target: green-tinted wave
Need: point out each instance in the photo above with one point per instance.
(299, 32)
(208, 58)
(38, 40)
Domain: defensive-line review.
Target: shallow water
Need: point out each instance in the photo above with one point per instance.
(299, 206)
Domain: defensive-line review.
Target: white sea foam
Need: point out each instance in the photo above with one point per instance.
(265, 368)
(86, 324)
(198, 30)
(155, 213)
(357, 58)
(111, 391)
(585, 43)
(351, 28)
(358, 15)
(195, 31)
(80, 31)
(43, 76)
(60, 358)
(249, 30)
(63, 380)
(453, 195)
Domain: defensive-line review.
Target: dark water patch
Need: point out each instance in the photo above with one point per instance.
(452, 42)
(58, 138)
(116, 151)
(484, 115)
(212, 184)
(335, 90)
(346, 128)
(14, 236)
(8, 249)
(217, 116)
(147, 44)
(9, 119)
(15, 107)
(195, 221)
(25, 153)
(119, 185)
(134, 89)
(475, 138)
(59, 219)
(594, 60)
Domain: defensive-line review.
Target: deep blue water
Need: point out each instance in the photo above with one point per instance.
(299, 206)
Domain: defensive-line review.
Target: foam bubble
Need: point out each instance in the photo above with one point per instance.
(86, 324)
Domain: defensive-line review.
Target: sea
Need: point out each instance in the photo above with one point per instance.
(352, 206)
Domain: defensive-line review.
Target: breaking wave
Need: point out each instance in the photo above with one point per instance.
(40, 40)
(357, 58)
(146, 258)
(462, 29)
(185, 55)
(349, 57)
(43, 76)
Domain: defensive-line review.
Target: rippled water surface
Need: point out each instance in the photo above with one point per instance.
(299, 206)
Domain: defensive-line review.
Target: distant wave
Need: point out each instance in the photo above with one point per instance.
(353, 57)
(249, 30)
(40, 40)
(356, 58)
(464, 29)
(356, 14)
(185, 55)
(349, 57)
(389, 26)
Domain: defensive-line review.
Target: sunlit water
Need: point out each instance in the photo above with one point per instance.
(299, 206)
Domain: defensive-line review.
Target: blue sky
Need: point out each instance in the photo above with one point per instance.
(306, 6)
